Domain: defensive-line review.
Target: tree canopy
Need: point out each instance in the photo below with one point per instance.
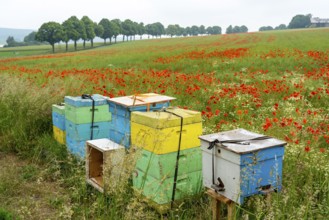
(300, 21)
(50, 32)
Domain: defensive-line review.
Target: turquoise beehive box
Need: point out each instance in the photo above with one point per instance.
(58, 116)
(121, 108)
(86, 118)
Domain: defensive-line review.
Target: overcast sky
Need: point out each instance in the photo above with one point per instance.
(31, 14)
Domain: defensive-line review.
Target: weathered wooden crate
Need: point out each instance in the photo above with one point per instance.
(104, 161)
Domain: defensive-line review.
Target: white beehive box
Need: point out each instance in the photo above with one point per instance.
(249, 166)
(104, 160)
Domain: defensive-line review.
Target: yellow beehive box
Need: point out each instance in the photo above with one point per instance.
(159, 132)
(59, 135)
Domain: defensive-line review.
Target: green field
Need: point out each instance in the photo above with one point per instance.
(275, 83)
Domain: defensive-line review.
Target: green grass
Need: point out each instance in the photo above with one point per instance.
(281, 81)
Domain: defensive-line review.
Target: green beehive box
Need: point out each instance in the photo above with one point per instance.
(162, 166)
(160, 190)
(59, 108)
(82, 115)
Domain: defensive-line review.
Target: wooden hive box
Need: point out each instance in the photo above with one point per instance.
(104, 160)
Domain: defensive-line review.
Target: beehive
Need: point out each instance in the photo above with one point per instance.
(58, 116)
(78, 101)
(163, 165)
(59, 135)
(160, 190)
(247, 163)
(76, 147)
(83, 115)
(121, 108)
(104, 162)
(83, 124)
(158, 132)
(82, 132)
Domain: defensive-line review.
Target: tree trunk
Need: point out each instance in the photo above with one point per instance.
(115, 39)
(110, 40)
(53, 46)
(123, 38)
(104, 40)
(141, 37)
(66, 46)
(84, 44)
(75, 45)
(92, 42)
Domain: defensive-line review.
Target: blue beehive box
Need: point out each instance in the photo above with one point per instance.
(243, 163)
(82, 132)
(78, 101)
(58, 116)
(121, 108)
(76, 147)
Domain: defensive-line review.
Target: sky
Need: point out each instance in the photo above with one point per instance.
(31, 14)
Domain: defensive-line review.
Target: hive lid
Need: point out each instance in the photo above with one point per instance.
(141, 99)
(245, 141)
(78, 101)
(166, 119)
(59, 108)
(104, 144)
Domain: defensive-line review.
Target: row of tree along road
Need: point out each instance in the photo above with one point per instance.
(75, 29)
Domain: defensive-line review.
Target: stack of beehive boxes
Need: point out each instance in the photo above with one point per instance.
(79, 118)
(58, 117)
(158, 133)
(246, 163)
(121, 109)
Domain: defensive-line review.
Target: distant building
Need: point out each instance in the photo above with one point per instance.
(319, 22)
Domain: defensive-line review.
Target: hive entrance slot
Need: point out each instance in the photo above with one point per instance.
(96, 166)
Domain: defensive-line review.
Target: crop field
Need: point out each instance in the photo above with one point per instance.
(275, 83)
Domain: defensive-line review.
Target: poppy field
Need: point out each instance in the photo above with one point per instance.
(274, 83)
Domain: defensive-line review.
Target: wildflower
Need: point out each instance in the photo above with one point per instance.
(307, 149)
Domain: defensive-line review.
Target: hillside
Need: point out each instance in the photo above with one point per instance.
(18, 34)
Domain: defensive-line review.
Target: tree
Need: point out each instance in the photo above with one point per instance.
(300, 21)
(172, 30)
(243, 29)
(194, 30)
(89, 29)
(105, 23)
(10, 41)
(127, 28)
(202, 30)
(217, 30)
(229, 30)
(159, 29)
(118, 30)
(281, 27)
(265, 28)
(188, 31)
(30, 38)
(99, 30)
(74, 29)
(236, 29)
(50, 32)
(209, 30)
